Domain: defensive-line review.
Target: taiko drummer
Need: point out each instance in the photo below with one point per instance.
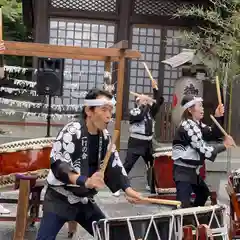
(74, 176)
(191, 146)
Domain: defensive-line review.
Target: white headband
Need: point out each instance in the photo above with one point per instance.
(98, 102)
(192, 102)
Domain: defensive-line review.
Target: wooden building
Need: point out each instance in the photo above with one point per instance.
(146, 24)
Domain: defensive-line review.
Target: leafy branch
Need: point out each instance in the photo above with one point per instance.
(217, 39)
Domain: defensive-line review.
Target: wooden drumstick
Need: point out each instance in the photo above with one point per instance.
(139, 95)
(149, 73)
(220, 127)
(218, 91)
(109, 152)
(162, 201)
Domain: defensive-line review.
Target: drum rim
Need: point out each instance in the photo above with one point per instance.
(168, 213)
(163, 148)
(31, 140)
(134, 218)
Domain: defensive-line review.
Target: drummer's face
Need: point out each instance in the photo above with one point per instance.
(197, 111)
(101, 116)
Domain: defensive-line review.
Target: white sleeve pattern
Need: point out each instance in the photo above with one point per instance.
(117, 162)
(195, 135)
(64, 146)
(135, 111)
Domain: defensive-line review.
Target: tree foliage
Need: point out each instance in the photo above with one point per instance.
(14, 28)
(217, 39)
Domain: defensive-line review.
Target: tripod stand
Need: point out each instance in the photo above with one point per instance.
(49, 115)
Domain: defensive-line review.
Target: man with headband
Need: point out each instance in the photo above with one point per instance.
(141, 120)
(74, 178)
(191, 146)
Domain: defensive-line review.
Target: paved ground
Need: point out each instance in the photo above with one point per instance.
(112, 206)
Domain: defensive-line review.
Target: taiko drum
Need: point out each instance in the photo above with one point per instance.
(25, 156)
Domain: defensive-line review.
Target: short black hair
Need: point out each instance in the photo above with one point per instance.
(93, 94)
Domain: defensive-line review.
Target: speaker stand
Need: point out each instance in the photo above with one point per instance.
(49, 115)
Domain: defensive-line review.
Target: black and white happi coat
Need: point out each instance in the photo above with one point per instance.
(141, 118)
(192, 145)
(70, 153)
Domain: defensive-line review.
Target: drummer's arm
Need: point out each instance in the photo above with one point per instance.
(159, 101)
(61, 158)
(205, 150)
(116, 178)
(212, 133)
(64, 172)
(137, 114)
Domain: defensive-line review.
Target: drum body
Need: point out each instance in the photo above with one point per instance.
(167, 225)
(137, 227)
(25, 156)
(163, 170)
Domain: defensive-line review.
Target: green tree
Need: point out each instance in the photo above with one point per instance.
(216, 39)
(14, 28)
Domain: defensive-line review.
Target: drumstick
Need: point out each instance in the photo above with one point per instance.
(218, 91)
(149, 73)
(162, 201)
(220, 127)
(139, 95)
(109, 152)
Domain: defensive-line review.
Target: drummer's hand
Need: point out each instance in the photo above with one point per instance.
(154, 84)
(219, 112)
(95, 181)
(229, 142)
(133, 196)
(2, 46)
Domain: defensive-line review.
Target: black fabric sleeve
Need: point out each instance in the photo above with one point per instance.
(137, 114)
(115, 175)
(193, 135)
(155, 106)
(212, 133)
(62, 154)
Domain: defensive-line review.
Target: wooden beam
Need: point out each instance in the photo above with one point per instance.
(48, 48)
(132, 54)
(121, 45)
(77, 14)
(119, 105)
(55, 51)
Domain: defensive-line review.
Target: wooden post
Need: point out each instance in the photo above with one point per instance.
(107, 66)
(22, 210)
(120, 85)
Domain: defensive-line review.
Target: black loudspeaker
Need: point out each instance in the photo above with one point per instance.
(49, 76)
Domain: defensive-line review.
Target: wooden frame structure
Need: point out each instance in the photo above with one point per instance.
(117, 53)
